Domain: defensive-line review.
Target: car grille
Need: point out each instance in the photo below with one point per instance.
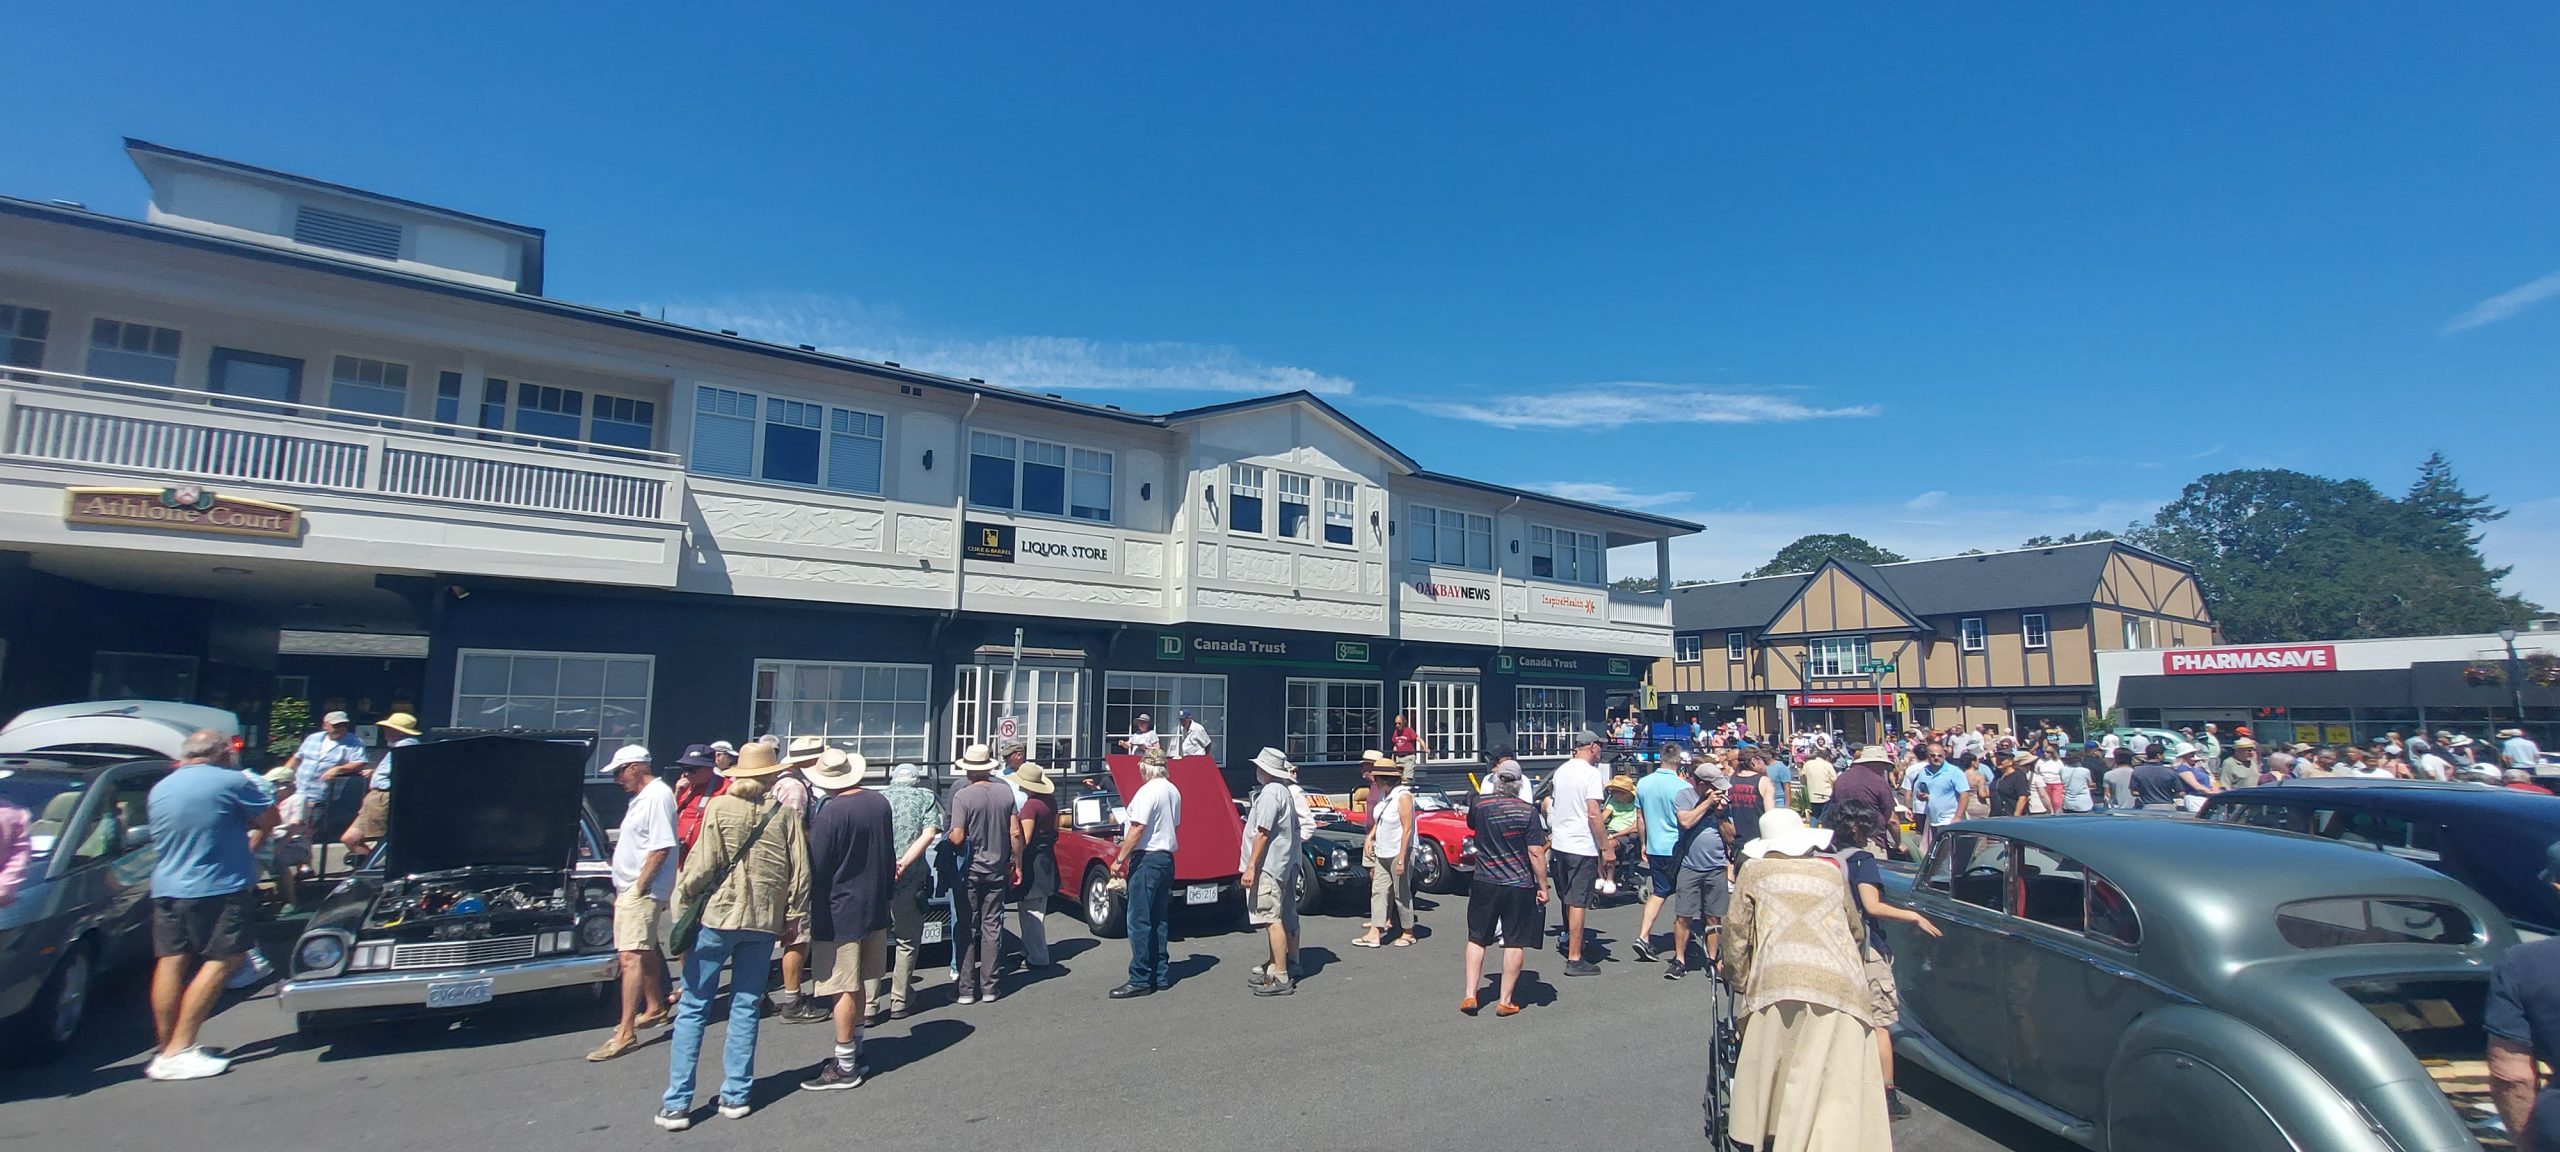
(462, 953)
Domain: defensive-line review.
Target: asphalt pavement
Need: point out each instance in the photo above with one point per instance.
(1370, 1053)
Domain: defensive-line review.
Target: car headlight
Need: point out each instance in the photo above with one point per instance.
(376, 954)
(320, 954)
(595, 932)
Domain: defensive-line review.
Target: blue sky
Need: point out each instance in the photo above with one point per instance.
(1944, 276)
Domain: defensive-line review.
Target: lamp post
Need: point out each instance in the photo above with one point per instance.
(2515, 674)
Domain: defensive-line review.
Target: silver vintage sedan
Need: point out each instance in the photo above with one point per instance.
(84, 906)
(2144, 985)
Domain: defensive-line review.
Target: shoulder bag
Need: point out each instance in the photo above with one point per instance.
(688, 925)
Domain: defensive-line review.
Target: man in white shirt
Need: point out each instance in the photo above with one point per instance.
(2520, 750)
(1190, 737)
(644, 880)
(1137, 742)
(1576, 842)
(1146, 859)
(2141, 745)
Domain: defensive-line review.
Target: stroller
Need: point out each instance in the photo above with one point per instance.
(1724, 1051)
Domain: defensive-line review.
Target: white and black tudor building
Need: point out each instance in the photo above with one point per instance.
(282, 438)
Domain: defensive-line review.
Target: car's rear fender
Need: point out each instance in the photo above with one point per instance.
(2175, 1059)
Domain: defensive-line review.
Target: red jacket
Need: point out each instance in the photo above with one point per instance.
(689, 809)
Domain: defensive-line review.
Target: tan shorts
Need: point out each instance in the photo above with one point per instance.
(1884, 1002)
(841, 967)
(639, 922)
(1274, 903)
(373, 819)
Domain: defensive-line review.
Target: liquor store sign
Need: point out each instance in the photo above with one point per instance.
(185, 508)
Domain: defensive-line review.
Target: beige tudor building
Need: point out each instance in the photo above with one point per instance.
(2006, 638)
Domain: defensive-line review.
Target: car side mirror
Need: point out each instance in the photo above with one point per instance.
(136, 838)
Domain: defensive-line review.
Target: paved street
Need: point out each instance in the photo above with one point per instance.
(1371, 1053)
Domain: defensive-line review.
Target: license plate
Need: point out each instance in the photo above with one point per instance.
(1200, 894)
(458, 993)
(932, 933)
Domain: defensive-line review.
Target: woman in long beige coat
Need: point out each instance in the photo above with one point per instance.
(1808, 1078)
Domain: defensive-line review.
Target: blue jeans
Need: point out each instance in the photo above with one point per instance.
(749, 957)
(1151, 919)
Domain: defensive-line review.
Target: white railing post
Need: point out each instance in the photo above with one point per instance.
(8, 419)
(377, 453)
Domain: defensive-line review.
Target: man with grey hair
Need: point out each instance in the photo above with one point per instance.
(983, 829)
(203, 895)
(1145, 859)
(1270, 867)
(915, 821)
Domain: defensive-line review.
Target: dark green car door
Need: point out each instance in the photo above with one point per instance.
(2073, 965)
(1952, 985)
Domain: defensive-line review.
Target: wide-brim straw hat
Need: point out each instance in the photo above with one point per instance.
(1874, 754)
(805, 751)
(1276, 762)
(976, 758)
(837, 769)
(1784, 832)
(1380, 764)
(755, 760)
(400, 722)
(1034, 779)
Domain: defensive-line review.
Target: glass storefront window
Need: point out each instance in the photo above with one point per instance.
(1334, 720)
(1445, 713)
(1042, 702)
(1163, 699)
(604, 693)
(882, 712)
(1546, 719)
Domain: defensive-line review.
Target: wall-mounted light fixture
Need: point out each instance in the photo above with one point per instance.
(1209, 495)
(1146, 492)
(928, 459)
(1515, 547)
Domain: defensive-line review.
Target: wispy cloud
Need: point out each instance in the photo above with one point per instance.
(1063, 364)
(1596, 492)
(1930, 499)
(2504, 304)
(1616, 405)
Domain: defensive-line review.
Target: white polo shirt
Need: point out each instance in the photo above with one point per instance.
(1157, 806)
(1577, 782)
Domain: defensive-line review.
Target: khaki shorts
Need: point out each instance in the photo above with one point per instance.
(373, 818)
(639, 922)
(1884, 1002)
(841, 967)
(1275, 902)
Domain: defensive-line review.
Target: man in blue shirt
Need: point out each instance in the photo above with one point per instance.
(1938, 790)
(1655, 799)
(325, 755)
(203, 896)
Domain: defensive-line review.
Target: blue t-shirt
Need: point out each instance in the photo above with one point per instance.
(200, 818)
(1781, 772)
(1657, 796)
(1860, 864)
(382, 771)
(1941, 791)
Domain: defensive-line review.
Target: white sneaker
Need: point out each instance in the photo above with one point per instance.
(252, 973)
(729, 1111)
(192, 1064)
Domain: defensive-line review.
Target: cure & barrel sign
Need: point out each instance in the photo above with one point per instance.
(186, 508)
(2275, 658)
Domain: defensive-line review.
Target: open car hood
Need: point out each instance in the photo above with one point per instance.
(495, 801)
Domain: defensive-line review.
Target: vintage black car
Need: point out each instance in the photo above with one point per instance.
(475, 895)
(1331, 875)
(84, 906)
(2489, 838)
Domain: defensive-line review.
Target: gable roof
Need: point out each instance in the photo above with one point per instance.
(2042, 577)
(1353, 427)
(1884, 590)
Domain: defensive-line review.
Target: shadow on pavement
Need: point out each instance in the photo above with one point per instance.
(1193, 965)
(1312, 959)
(565, 1014)
(1974, 1112)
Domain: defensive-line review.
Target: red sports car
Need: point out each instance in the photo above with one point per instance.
(1211, 839)
(1440, 860)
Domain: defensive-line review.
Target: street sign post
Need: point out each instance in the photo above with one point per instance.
(1876, 671)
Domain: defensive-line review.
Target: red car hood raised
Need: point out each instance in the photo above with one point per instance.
(1211, 838)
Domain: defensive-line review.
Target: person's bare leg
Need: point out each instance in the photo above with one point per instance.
(1714, 930)
(849, 1011)
(1475, 969)
(202, 993)
(795, 964)
(1279, 937)
(1573, 934)
(1652, 911)
(1512, 961)
(653, 982)
(168, 989)
(1884, 1053)
(1680, 940)
(635, 994)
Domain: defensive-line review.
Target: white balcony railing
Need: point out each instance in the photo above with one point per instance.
(1639, 609)
(159, 431)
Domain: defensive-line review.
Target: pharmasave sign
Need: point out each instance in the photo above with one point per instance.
(1564, 605)
(185, 508)
(2276, 658)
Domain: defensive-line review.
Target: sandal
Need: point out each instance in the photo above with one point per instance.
(1404, 941)
(1365, 942)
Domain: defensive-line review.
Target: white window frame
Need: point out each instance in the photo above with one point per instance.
(1557, 545)
(2140, 631)
(1688, 648)
(1737, 645)
(2035, 630)
(44, 347)
(1341, 496)
(1051, 728)
(1545, 718)
(1452, 726)
(1249, 481)
(775, 706)
(89, 348)
(1079, 466)
(757, 408)
(408, 375)
(1163, 696)
(596, 402)
(1425, 523)
(1071, 464)
(605, 741)
(1308, 732)
(1294, 488)
(1973, 633)
(726, 401)
(1822, 657)
(1012, 453)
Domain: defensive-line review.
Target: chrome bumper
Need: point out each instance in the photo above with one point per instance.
(409, 989)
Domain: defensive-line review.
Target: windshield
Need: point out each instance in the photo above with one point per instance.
(48, 799)
(1431, 801)
(2342, 921)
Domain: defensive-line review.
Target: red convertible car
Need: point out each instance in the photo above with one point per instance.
(1211, 839)
(1440, 860)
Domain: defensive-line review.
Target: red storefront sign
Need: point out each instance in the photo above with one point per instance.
(2273, 658)
(1837, 700)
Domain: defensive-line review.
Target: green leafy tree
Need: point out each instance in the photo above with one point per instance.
(2068, 538)
(2287, 556)
(1634, 583)
(1808, 553)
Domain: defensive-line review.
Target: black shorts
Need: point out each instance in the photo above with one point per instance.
(1664, 870)
(209, 928)
(1574, 876)
(1498, 913)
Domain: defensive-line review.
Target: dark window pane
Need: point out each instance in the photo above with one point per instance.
(1044, 489)
(1338, 533)
(790, 454)
(1246, 511)
(991, 481)
(1293, 520)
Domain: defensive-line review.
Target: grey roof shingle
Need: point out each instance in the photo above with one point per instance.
(1953, 585)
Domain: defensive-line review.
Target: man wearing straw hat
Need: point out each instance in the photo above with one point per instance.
(983, 829)
(747, 874)
(852, 862)
(373, 818)
(1270, 868)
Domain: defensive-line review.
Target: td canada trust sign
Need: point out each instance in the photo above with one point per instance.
(2273, 658)
(185, 508)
